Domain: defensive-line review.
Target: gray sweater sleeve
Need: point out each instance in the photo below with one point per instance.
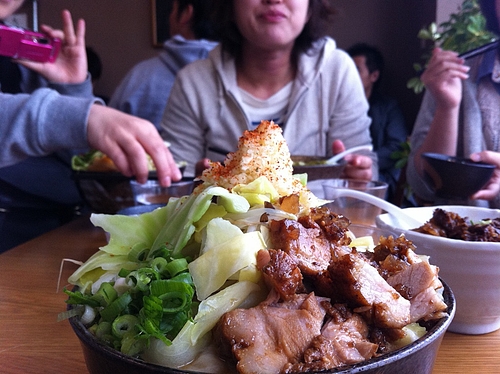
(41, 123)
(422, 124)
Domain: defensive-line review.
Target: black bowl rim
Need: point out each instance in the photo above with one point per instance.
(432, 334)
(139, 209)
(454, 159)
(107, 175)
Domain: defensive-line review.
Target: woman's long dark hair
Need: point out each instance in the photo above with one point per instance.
(231, 38)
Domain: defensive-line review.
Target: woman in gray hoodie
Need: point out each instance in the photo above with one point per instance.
(273, 63)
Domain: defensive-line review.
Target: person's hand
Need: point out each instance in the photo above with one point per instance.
(127, 140)
(492, 188)
(358, 166)
(70, 66)
(442, 77)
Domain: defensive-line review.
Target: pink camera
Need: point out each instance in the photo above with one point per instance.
(19, 43)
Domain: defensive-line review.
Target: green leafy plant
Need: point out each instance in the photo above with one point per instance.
(401, 155)
(465, 30)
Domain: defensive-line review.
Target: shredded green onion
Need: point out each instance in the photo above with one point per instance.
(138, 253)
(116, 307)
(124, 324)
(177, 266)
(105, 295)
(159, 264)
(174, 302)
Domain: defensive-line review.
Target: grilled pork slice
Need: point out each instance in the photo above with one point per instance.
(265, 338)
(281, 273)
(359, 284)
(310, 240)
(412, 276)
(343, 341)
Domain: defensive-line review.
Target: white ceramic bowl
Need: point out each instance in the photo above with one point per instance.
(471, 269)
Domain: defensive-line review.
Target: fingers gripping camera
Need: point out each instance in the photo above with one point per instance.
(19, 43)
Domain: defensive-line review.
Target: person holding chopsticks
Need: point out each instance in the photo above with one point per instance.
(460, 114)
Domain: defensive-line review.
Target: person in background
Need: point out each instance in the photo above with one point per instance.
(388, 129)
(38, 194)
(460, 115)
(274, 63)
(145, 89)
(94, 64)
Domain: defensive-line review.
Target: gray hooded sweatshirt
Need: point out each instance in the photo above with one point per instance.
(204, 116)
(145, 89)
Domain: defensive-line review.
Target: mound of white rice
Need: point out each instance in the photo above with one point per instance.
(261, 152)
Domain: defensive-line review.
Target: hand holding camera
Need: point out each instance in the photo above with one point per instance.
(58, 55)
(29, 45)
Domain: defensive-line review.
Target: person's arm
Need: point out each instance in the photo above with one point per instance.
(45, 122)
(442, 78)
(40, 123)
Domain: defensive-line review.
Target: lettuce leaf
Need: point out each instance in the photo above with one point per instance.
(234, 251)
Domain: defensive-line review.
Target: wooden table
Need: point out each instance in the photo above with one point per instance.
(32, 341)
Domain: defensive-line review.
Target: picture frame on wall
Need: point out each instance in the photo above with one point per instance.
(160, 10)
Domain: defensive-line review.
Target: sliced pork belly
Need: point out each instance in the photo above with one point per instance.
(419, 284)
(265, 338)
(281, 273)
(358, 283)
(413, 277)
(307, 246)
(343, 341)
(309, 241)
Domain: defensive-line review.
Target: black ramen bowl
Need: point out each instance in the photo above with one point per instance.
(110, 192)
(316, 168)
(417, 357)
(455, 177)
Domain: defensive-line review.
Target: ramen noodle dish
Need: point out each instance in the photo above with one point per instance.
(251, 273)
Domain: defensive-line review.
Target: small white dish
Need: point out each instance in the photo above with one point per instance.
(471, 269)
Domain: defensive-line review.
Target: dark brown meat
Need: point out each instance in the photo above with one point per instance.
(343, 341)
(453, 226)
(359, 284)
(374, 296)
(265, 338)
(282, 274)
(307, 246)
(310, 240)
(333, 226)
(413, 277)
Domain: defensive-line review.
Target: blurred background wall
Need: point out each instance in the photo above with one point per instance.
(120, 31)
